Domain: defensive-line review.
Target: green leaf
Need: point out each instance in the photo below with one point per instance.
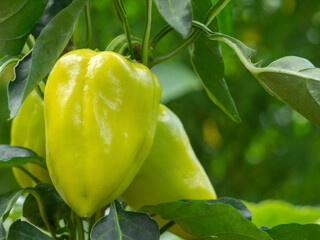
(293, 80)
(177, 13)
(12, 156)
(295, 231)
(56, 209)
(48, 47)
(274, 212)
(23, 230)
(124, 225)
(229, 236)
(207, 62)
(7, 201)
(237, 204)
(6, 61)
(52, 9)
(17, 19)
(16, 87)
(225, 18)
(204, 219)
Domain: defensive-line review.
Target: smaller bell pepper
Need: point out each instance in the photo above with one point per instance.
(28, 131)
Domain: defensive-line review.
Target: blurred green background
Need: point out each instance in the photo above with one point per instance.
(274, 153)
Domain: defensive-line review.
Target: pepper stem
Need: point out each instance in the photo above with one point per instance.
(147, 30)
(122, 13)
(42, 211)
(88, 24)
(80, 228)
(166, 227)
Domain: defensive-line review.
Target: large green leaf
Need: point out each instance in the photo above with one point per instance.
(177, 13)
(53, 8)
(56, 209)
(207, 219)
(17, 18)
(123, 225)
(7, 201)
(12, 156)
(225, 18)
(48, 47)
(293, 80)
(207, 61)
(23, 230)
(295, 231)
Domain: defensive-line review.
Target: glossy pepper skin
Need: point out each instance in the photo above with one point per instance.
(28, 131)
(100, 113)
(171, 171)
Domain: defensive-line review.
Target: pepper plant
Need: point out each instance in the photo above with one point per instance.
(86, 166)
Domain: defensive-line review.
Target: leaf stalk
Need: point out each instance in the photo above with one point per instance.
(88, 24)
(145, 42)
(42, 211)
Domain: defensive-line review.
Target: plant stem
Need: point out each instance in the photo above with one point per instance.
(30, 42)
(42, 211)
(115, 43)
(39, 91)
(88, 24)
(160, 35)
(177, 50)
(166, 227)
(213, 12)
(145, 42)
(29, 174)
(80, 228)
(124, 19)
(91, 223)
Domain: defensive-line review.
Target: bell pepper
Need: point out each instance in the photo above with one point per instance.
(28, 131)
(100, 114)
(171, 171)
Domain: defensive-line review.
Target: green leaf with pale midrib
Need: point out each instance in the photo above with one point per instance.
(124, 225)
(293, 80)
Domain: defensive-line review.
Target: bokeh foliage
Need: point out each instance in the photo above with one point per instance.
(274, 152)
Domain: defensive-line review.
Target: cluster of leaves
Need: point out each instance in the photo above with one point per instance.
(224, 218)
